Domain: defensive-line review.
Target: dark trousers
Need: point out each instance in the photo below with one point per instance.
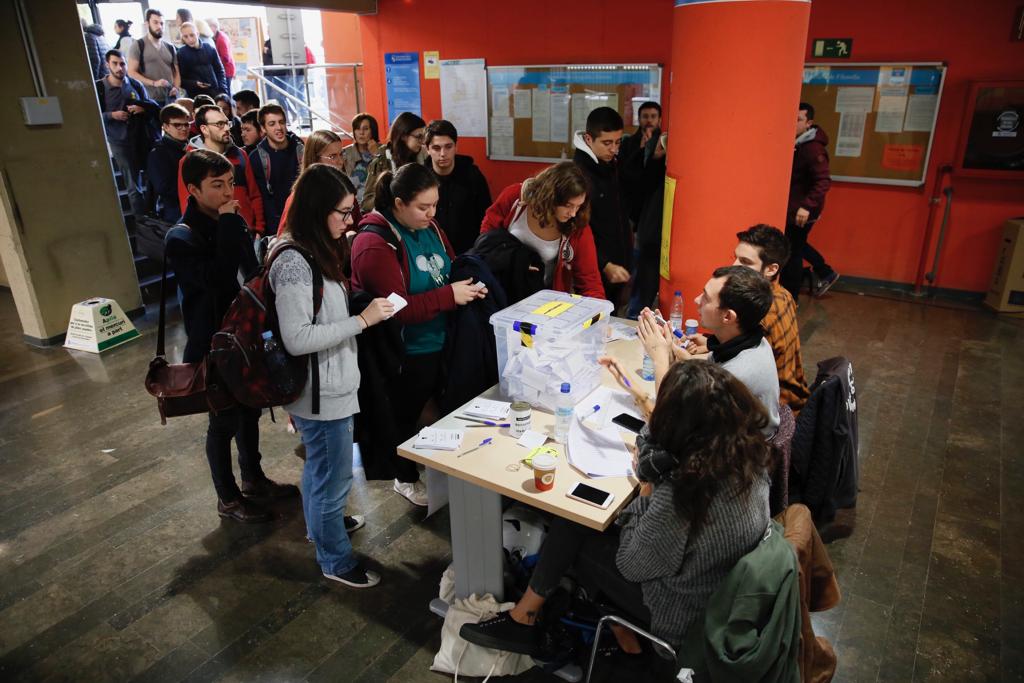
(242, 424)
(418, 383)
(591, 556)
(817, 261)
(792, 272)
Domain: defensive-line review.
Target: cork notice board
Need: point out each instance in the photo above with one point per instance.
(533, 111)
(880, 118)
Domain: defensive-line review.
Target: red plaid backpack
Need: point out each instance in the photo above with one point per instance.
(237, 349)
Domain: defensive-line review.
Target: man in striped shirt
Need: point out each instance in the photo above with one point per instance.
(766, 250)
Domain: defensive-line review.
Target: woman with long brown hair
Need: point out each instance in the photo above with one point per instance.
(404, 146)
(321, 147)
(703, 504)
(315, 232)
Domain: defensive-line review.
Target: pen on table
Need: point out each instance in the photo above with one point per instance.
(480, 445)
(591, 414)
(483, 423)
(488, 424)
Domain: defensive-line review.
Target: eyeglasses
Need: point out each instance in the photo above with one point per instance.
(179, 126)
(217, 124)
(417, 136)
(346, 214)
(330, 157)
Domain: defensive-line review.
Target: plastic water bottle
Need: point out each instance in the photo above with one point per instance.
(676, 318)
(563, 414)
(647, 371)
(277, 364)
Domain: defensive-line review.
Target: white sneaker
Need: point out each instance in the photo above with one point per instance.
(414, 492)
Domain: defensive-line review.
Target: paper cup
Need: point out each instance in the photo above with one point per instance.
(543, 472)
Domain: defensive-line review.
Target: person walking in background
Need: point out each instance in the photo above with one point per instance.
(404, 146)
(124, 36)
(201, 70)
(464, 194)
(275, 163)
(153, 61)
(96, 47)
(358, 155)
(164, 160)
(222, 42)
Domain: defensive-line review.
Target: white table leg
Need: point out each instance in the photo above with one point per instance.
(476, 539)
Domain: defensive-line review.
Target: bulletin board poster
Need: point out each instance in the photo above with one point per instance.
(879, 118)
(246, 36)
(402, 83)
(534, 111)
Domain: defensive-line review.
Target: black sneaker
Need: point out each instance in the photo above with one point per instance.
(356, 578)
(824, 284)
(502, 633)
(354, 523)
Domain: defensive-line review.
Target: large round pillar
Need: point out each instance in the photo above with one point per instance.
(737, 67)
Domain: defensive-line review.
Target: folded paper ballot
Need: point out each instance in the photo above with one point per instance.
(434, 439)
(488, 409)
(398, 302)
(598, 452)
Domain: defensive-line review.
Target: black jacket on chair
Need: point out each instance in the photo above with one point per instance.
(510, 261)
(823, 466)
(470, 353)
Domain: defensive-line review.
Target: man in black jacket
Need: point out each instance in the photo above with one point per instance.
(464, 194)
(210, 259)
(596, 151)
(162, 164)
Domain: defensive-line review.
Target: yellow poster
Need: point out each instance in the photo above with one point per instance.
(431, 64)
(666, 226)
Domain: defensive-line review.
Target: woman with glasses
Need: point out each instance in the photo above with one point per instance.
(404, 146)
(322, 147)
(324, 202)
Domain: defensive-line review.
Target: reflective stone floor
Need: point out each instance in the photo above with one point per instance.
(114, 565)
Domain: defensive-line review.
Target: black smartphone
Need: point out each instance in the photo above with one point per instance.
(627, 421)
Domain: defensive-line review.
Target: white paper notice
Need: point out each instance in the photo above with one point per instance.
(855, 100)
(502, 147)
(599, 452)
(851, 135)
(502, 127)
(892, 105)
(499, 102)
(464, 95)
(398, 301)
(488, 409)
(433, 439)
(522, 104)
(560, 117)
(532, 439)
(541, 116)
(920, 112)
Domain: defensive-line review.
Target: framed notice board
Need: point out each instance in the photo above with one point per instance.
(533, 111)
(992, 137)
(880, 118)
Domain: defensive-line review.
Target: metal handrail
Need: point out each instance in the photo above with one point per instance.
(295, 100)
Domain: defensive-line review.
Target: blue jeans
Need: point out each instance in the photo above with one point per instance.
(326, 481)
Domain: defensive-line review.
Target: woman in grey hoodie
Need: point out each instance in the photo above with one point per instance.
(320, 215)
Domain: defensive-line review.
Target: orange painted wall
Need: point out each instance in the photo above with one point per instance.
(867, 230)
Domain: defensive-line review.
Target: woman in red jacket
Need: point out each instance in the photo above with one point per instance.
(550, 213)
(400, 249)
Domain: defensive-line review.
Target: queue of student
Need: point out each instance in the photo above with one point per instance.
(379, 218)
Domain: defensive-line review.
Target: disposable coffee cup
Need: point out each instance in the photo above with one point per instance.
(543, 472)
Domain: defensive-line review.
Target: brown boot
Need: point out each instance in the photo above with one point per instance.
(243, 511)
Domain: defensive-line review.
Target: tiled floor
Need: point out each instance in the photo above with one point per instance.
(114, 565)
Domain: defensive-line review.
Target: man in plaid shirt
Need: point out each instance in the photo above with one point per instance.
(766, 250)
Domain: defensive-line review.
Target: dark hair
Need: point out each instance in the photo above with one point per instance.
(152, 12)
(649, 104)
(315, 195)
(603, 120)
(249, 97)
(358, 119)
(404, 184)
(403, 126)
(201, 164)
(252, 117)
(186, 15)
(112, 53)
(554, 187)
(712, 425)
(202, 99)
(807, 107)
(173, 111)
(442, 128)
(745, 291)
(202, 111)
(271, 108)
(222, 97)
(771, 244)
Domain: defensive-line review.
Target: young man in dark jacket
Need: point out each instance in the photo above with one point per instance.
(807, 188)
(201, 70)
(209, 259)
(464, 194)
(163, 161)
(596, 151)
(275, 163)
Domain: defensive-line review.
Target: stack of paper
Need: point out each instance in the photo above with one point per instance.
(433, 439)
(488, 409)
(617, 331)
(536, 375)
(598, 452)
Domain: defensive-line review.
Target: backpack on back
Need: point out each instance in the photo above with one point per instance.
(237, 350)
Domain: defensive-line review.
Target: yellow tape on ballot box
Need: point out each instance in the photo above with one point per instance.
(553, 309)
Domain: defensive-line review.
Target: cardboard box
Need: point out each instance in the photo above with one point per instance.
(1006, 294)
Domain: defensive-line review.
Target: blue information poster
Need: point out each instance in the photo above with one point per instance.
(402, 76)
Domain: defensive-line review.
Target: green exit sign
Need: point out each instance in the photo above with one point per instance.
(833, 47)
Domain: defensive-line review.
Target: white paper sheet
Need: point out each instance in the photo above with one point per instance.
(398, 301)
(920, 112)
(532, 439)
(434, 439)
(599, 452)
(613, 402)
(502, 127)
(560, 117)
(850, 140)
(499, 102)
(522, 103)
(541, 116)
(464, 95)
(502, 147)
(892, 105)
(855, 100)
(488, 409)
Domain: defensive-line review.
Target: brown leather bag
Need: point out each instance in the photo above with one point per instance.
(182, 388)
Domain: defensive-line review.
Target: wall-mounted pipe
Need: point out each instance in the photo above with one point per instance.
(933, 203)
(30, 48)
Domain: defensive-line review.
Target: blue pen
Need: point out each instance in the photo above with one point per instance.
(661, 321)
(481, 445)
(482, 423)
(591, 413)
